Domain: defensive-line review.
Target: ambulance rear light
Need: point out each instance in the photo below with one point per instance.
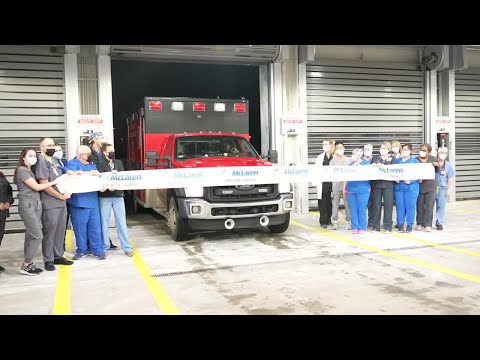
(198, 106)
(177, 106)
(239, 107)
(219, 107)
(155, 105)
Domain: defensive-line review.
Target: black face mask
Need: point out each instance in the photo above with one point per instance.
(111, 155)
(89, 158)
(50, 152)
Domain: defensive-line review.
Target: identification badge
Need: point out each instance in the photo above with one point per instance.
(389, 159)
(55, 171)
(443, 172)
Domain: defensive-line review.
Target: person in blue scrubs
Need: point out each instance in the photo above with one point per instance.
(406, 193)
(358, 195)
(445, 178)
(84, 209)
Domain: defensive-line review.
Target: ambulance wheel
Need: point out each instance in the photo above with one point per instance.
(280, 228)
(178, 226)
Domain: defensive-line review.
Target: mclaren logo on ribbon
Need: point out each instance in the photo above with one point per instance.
(243, 178)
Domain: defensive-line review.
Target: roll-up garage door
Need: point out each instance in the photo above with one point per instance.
(229, 54)
(467, 133)
(31, 106)
(360, 103)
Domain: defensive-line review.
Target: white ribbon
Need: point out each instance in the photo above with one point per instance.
(225, 176)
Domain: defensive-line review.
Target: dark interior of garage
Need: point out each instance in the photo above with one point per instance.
(133, 80)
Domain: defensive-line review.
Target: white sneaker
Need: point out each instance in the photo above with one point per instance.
(335, 225)
(349, 226)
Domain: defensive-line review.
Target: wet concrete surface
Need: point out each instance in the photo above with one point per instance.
(303, 271)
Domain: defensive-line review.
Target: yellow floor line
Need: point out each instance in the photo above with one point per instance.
(160, 295)
(465, 210)
(426, 242)
(425, 264)
(62, 294)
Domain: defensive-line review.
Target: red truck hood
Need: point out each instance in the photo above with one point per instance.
(221, 161)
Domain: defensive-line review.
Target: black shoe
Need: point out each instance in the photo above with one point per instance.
(62, 261)
(2, 269)
(113, 247)
(49, 266)
(409, 229)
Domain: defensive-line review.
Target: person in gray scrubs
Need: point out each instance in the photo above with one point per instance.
(428, 191)
(339, 159)
(54, 215)
(30, 207)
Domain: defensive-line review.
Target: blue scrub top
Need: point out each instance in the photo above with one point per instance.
(83, 200)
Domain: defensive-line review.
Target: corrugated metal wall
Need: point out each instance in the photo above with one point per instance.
(88, 80)
(363, 102)
(32, 105)
(467, 133)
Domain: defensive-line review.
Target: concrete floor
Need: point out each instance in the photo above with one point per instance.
(304, 271)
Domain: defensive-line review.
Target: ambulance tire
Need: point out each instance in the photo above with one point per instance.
(178, 227)
(280, 228)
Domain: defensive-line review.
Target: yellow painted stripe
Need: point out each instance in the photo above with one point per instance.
(425, 264)
(465, 210)
(62, 294)
(159, 294)
(426, 242)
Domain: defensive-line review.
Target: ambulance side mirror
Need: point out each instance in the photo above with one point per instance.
(152, 159)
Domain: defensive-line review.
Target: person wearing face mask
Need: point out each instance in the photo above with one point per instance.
(382, 189)
(406, 193)
(84, 209)
(324, 190)
(54, 215)
(58, 156)
(358, 193)
(396, 146)
(113, 199)
(6, 201)
(30, 207)
(339, 159)
(445, 180)
(368, 155)
(426, 197)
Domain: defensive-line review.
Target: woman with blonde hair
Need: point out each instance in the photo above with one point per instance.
(396, 148)
(383, 189)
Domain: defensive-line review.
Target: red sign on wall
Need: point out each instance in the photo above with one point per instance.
(90, 119)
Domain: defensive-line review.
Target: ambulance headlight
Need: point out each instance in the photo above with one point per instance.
(194, 191)
(284, 187)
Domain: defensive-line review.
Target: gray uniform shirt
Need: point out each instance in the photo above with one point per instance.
(338, 185)
(25, 192)
(48, 171)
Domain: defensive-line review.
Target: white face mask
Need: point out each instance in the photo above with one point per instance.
(395, 149)
(58, 155)
(442, 156)
(367, 153)
(383, 152)
(31, 160)
(340, 152)
(422, 154)
(405, 153)
(326, 148)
